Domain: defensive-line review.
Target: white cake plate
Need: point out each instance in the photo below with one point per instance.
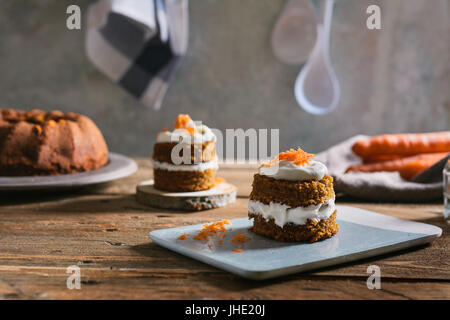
(118, 167)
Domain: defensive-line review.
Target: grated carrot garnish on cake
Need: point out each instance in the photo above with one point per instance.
(209, 230)
(164, 130)
(298, 157)
(240, 237)
(183, 122)
(182, 237)
(237, 250)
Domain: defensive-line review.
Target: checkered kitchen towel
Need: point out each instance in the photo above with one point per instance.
(138, 43)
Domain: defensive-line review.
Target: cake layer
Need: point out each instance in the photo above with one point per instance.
(311, 231)
(292, 193)
(283, 214)
(43, 143)
(184, 180)
(202, 166)
(204, 152)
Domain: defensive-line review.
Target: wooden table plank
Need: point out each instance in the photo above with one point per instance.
(105, 231)
(50, 283)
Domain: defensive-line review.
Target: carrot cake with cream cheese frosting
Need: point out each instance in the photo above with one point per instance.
(184, 159)
(293, 199)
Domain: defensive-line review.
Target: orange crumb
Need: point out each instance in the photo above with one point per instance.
(211, 229)
(61, 121)
(237, 250)
(38, 128)
(164, 130)
(182, 123)
(51, 123)
(240, 237)
(39, 118)
(182, 237)
(219, 180)
(298, 157)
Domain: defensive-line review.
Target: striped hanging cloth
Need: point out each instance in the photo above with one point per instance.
(138, 43)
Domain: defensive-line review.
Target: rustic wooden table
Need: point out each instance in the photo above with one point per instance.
(105, 231)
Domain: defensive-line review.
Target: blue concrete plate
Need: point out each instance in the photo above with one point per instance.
(362, 234)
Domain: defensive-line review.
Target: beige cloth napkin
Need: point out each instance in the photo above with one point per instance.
(379, 186)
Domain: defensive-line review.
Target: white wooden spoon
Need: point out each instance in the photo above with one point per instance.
(317, 88)
(294, 33)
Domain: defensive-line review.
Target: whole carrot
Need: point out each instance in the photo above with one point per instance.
(408, 167)
(403, 144)
(381, 158)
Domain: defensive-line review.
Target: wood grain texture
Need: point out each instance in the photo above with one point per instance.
(219, 196)
(104, 231)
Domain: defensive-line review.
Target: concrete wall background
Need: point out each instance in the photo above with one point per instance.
(393, 80)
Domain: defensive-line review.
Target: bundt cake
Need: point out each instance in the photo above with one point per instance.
(49, 143)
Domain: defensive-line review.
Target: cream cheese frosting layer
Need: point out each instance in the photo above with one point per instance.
(286, 170)
(186, 167)
(283, 214)
(204, 134)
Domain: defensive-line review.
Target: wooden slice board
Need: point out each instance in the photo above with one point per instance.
(219, 196)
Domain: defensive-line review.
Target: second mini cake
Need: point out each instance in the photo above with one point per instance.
(293, 199)
(195, 172)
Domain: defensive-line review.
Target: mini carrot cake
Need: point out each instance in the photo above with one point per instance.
(293, 199)
(185, 159)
